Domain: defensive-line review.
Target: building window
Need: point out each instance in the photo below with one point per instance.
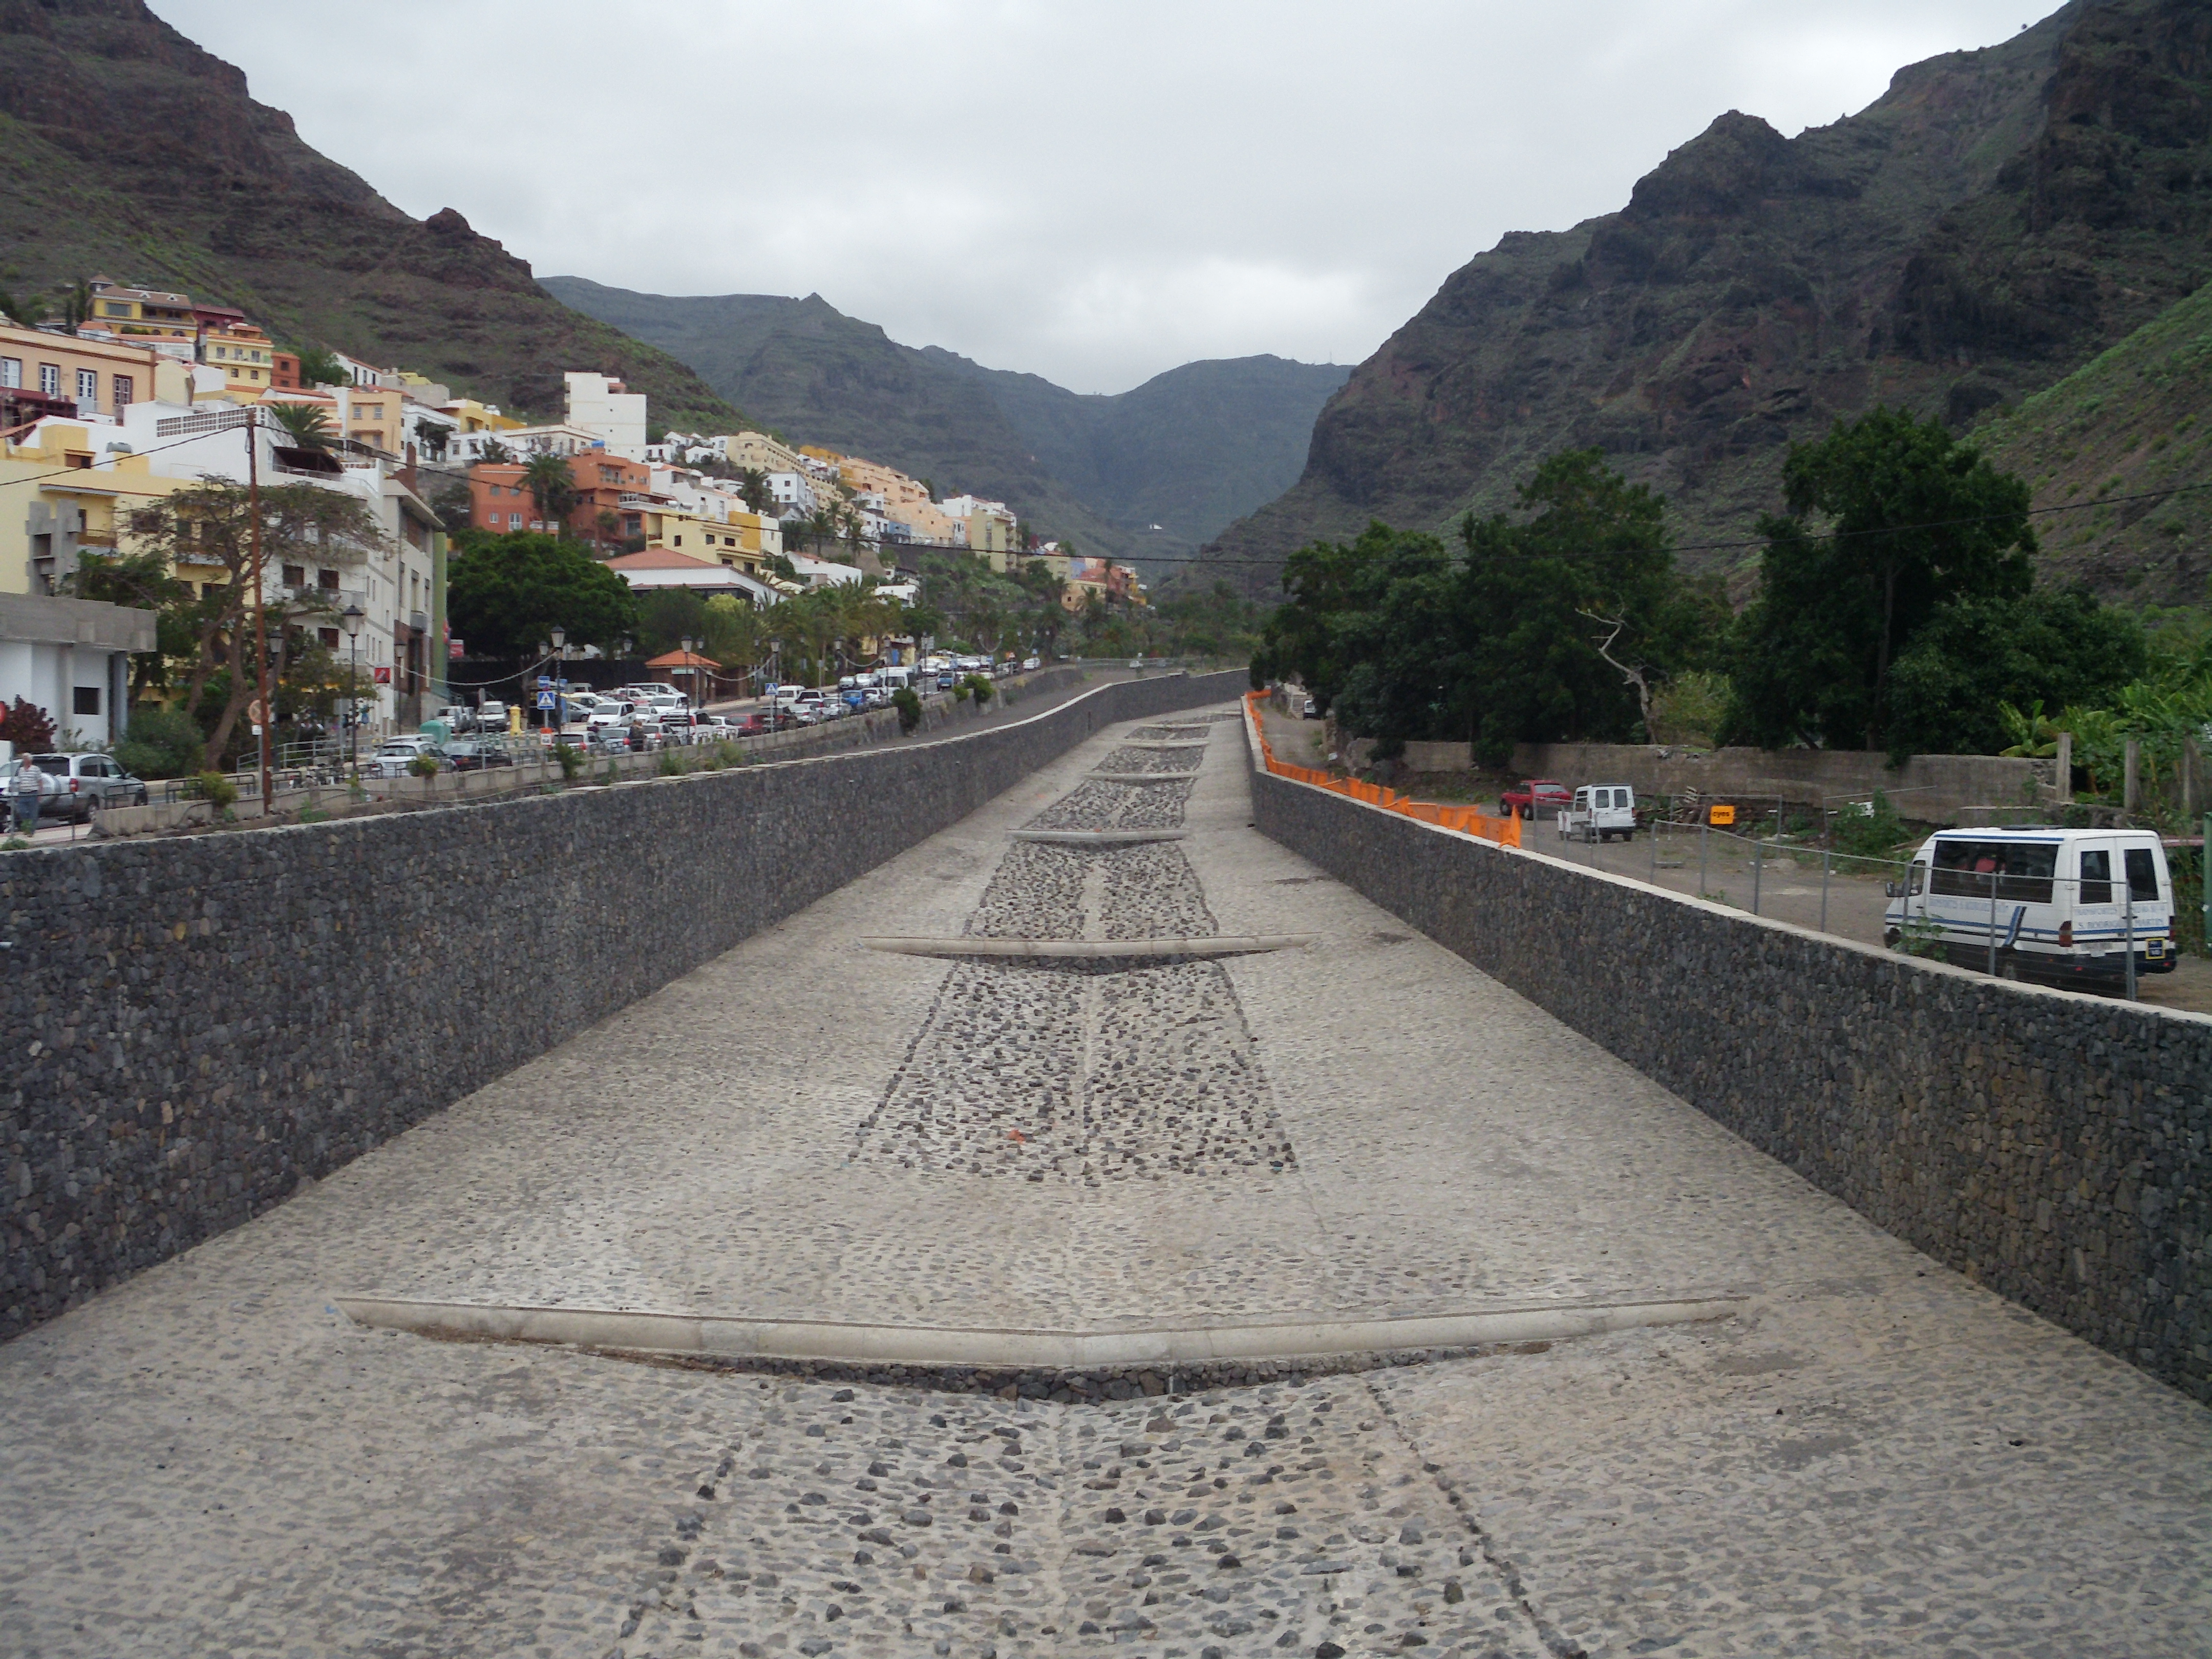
(11, 371)
(329, 636)
(295, 575)
(84, 700)
(327, 580)
(125, 390)
(514, 521)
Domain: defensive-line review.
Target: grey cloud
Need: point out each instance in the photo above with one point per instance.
(1092, 193)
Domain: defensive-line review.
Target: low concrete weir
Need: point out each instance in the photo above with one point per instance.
(842, 1342)
(1144, 777)
(1096, 837)
(1092, 949)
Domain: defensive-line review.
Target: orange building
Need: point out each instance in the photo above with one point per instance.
(612, 497)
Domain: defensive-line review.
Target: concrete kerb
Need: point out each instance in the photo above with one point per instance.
(1095, 838)
(1094, 949)
(1181, 1347)
(2053, 1146)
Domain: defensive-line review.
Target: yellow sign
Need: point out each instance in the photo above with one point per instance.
(1721, 817)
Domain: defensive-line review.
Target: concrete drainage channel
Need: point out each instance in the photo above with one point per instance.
(1064, 1365)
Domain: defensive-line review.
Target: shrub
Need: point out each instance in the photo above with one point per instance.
(569, 759)
(161, 742)
(909, 708)
(981, 688)
(1873, 835)
(28, 727)
(424, 766)
(218, 790)
(671, 765)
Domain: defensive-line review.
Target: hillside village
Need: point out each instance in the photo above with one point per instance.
(133, 394)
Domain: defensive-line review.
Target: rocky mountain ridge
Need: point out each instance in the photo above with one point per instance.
(1152, 471)
(1994, 220)
(126, 148)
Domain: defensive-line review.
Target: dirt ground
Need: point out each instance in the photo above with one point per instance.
(1790, 888)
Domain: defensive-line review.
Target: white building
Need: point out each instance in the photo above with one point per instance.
(603, 406)
(794, 493)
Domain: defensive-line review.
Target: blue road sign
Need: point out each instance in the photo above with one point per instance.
(543, 680)
(547, 699)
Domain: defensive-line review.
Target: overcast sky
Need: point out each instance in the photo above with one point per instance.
(1091, 193)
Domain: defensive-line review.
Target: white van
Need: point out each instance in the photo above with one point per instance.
(2060, 904)
(1600, 812)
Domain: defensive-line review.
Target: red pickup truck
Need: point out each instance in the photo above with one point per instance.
(1535, 792)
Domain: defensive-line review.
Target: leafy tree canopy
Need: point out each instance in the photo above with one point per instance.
(505, 594)
(1887, 518)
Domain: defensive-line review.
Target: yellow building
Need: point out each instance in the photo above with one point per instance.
(905, 499)
(372, 416)
(74, 506)
(746, 542)
(142, 313)
(473, 416)
(244, 353)
(99, 377)
(757, 449)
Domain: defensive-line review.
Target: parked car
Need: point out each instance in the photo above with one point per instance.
(1600, 812)
(2059, 905)
(1535, 795)
(85, 783)
(458, 718)
(653, 689)
(618, 712)
(1031, 664)
(1309, 708)
(477, 754)
(752, 726)
(394, 756)
(491, 715)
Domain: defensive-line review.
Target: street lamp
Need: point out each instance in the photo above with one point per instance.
(560, 681)
(691, 673)
(350, 619)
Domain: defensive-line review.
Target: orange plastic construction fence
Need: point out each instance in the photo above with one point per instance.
(1468, 820)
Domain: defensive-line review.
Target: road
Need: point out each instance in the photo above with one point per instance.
(1849, 1450)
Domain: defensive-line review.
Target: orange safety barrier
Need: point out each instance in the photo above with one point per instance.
(1468, 820)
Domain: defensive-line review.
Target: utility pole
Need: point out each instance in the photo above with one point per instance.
(260, 596)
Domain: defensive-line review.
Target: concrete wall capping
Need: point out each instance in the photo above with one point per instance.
(2055, 1147)
(203, 1024)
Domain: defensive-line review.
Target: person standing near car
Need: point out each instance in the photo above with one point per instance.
(30, 784)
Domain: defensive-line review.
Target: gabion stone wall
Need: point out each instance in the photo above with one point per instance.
(2056, 1148)
(198, 1025)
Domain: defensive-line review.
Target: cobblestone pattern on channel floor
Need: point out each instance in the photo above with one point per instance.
(1874, 1458)
(1083, 1072)
(1283, 1520)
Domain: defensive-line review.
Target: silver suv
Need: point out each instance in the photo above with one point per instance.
(85, 784)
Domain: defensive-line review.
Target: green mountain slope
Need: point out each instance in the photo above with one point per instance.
(1187, 451)
(126, 149)
(1992, 221)
(2135, 421)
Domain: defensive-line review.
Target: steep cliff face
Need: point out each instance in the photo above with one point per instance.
(126, 148)
(1153, 471)
(1994, 220)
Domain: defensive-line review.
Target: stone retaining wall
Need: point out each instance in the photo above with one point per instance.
(2055, 1147)
(200, 1024)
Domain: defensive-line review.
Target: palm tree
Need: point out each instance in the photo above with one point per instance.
(307, 425)
(551, 485)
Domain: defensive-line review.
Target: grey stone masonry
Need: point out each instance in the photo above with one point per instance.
(203, 1025)
(2054, 1146)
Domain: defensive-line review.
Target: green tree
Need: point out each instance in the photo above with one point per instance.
(552, 486)
(505, 594)
(752, 488)
(1949, 690)
(1888, 518)
(211, 524)
(161, 742)
(320, 366)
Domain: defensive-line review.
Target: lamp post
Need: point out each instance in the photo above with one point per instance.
(691, 675)
(350, 619)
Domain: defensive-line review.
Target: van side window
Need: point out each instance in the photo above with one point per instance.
(2143, 875)
(1602, 798)
(2096, 876)
(1919, 878)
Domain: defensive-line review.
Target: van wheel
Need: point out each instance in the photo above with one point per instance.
(1891, 938)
